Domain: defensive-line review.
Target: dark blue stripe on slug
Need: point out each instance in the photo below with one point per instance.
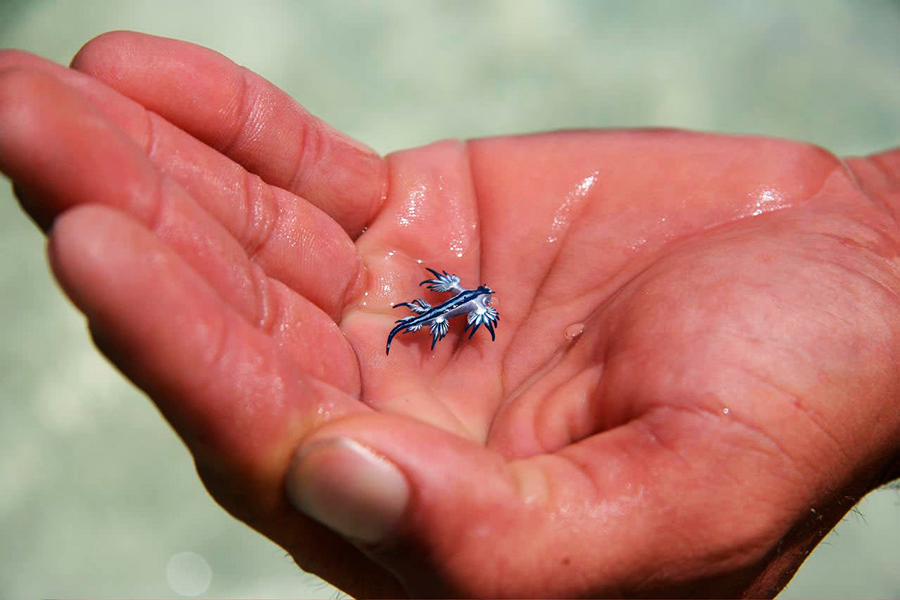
(435, 312)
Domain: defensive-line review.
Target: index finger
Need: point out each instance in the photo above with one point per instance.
(245, 117)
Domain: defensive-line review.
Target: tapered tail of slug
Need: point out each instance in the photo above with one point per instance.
(403, 325)
(394, 331)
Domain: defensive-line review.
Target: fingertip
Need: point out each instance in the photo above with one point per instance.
(80, 241)
(19, 87)
(97, 52)
(22, 94)
(13, 57)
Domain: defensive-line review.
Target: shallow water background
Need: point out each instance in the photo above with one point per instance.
(98, 498)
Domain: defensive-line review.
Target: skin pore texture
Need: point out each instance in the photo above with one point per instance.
(694, 379)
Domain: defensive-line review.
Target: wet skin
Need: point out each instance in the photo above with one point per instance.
(729, 392)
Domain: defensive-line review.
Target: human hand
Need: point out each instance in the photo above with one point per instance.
(730, 396)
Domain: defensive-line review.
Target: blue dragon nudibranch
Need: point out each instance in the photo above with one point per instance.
(474, 303)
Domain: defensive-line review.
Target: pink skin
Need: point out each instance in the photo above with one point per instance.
(698, 342)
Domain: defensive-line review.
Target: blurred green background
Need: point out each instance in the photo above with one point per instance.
(98, 497)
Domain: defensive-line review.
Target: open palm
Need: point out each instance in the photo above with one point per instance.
(693, 379)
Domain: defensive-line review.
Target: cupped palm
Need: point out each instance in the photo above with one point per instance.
(693, 375)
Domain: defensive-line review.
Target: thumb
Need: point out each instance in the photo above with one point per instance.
(610, 515)
(427, 505)
(452, 518)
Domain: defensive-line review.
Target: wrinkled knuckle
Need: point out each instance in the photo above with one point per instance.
(215, 337)
(239, 111)
(269, 316)
(261, 213)
(311, 149)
